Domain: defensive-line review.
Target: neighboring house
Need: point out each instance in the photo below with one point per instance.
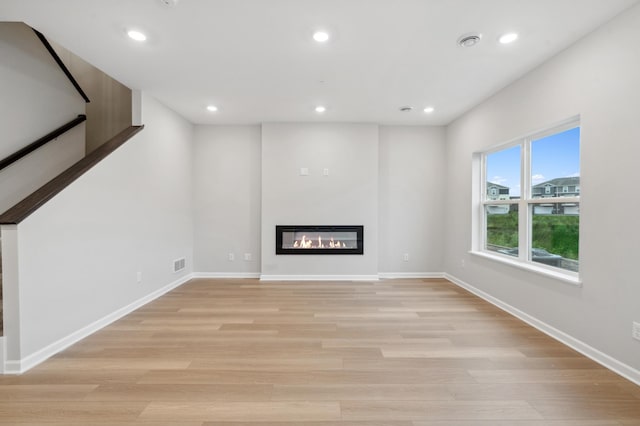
(559, 187)
(497, 192)
(554, 188)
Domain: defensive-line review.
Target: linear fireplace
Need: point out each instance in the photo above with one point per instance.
(303, 239)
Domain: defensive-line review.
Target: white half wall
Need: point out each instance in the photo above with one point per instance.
(412, 194)
(227, 171)
(79, 255)
(596, 78)
(31, 172)
(348, 195)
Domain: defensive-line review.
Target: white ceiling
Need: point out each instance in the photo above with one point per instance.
(256, 60)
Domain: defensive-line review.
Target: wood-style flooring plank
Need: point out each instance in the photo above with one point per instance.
(545, 376)
(518, 423)
(69, 411)
(583, 391)
(574, 409)
(438, 410)
(344, 392)
(242, 411)
(101, 423)
(311, 423)
(293, 422)
(54, 392)
(179, 393)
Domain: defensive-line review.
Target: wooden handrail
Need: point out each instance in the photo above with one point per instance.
(6, 162)
(24, 208)
(61, 64)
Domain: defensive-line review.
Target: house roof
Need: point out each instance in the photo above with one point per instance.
(563, 181)
(490, 184)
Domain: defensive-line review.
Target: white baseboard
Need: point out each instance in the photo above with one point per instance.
(226, 275)
(3, 355)
(392, 275)
(318, 278)
(605, 360)
(24, 364)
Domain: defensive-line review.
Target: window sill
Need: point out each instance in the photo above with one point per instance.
(568, 278)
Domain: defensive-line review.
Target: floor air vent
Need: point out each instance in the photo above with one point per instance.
(178, 264)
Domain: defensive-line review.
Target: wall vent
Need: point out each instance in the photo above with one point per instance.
(179, 264)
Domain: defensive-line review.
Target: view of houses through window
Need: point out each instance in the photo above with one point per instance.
(532, 198)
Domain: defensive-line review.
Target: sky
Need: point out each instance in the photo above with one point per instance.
(552, 157)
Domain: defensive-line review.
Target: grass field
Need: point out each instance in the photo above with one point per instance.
(558, 234)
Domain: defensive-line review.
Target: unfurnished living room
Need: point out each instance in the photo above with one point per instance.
(325, 213)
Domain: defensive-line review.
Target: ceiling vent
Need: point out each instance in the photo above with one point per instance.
(469, 40)
(406, 109)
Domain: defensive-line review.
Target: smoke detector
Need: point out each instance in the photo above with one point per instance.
(469, 40)
(168, 3)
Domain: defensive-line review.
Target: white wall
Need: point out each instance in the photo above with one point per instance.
(412, 194)
(78, 255)
(36, 98)
(347, 196)
(598, 79)
(227, 171)
(227, 194)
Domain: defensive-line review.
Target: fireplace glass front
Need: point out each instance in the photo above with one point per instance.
(300, 239)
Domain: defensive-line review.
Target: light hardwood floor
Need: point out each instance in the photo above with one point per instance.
(394, 353)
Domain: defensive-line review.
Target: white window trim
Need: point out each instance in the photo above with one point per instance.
(567, 277)
(525, 205)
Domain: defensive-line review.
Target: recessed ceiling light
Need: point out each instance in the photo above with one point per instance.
(320, 36)
(508, 38)
(212, 108)
(136, 35)
(469, 39)
(429, 110)
(320, 109)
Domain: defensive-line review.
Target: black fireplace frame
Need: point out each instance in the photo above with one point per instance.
(358, 229)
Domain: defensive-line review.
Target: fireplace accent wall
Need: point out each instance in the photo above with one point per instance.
(305, 239)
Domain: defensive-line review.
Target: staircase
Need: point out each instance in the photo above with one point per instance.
(35, 172)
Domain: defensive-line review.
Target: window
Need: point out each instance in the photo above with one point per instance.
(538, 222)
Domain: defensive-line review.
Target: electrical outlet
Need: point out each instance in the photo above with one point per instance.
(405, 257)
(462, 263)
(139, 276)
(232, 257)
(247, 257)
(636, 330)
(325, 172)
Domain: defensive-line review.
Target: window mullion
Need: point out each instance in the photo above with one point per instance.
(524, 222)
(483, 197)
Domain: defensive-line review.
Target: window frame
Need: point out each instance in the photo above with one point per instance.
(526, 205)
